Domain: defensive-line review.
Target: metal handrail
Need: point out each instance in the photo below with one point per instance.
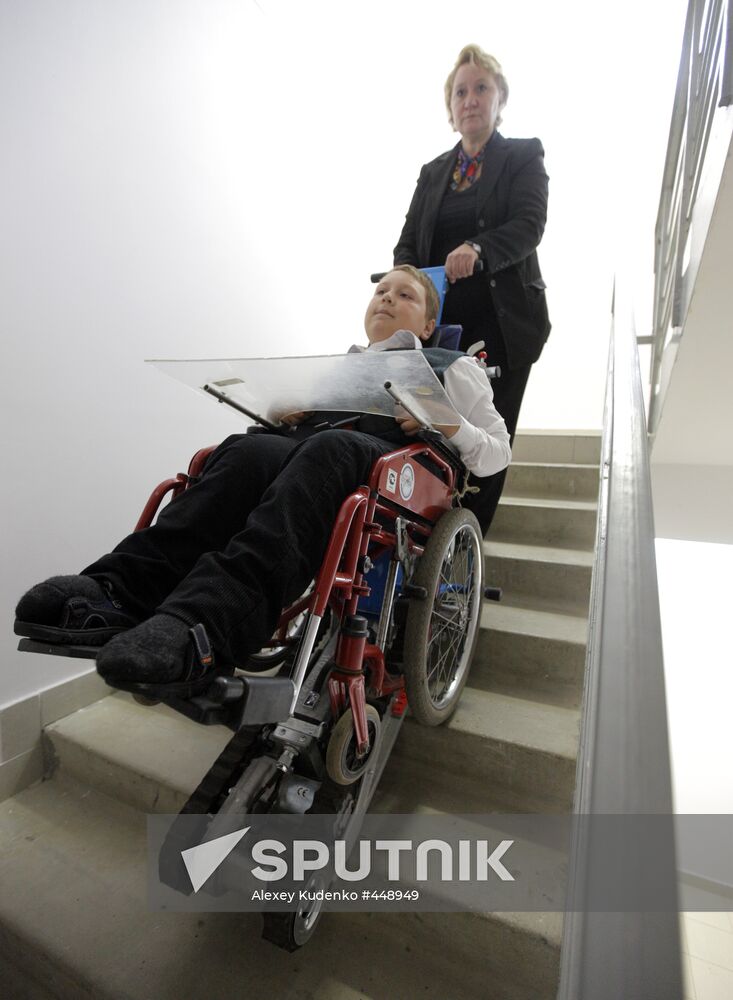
(704, 83)
(623, 759)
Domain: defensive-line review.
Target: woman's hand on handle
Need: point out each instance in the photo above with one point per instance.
(460, 262)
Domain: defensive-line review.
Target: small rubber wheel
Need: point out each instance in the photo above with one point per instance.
(142, 699)
(266, 659)
(291, 931)
(272, 656)
(342, 764)
(442, 630)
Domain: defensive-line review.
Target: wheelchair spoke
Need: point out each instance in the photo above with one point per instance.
(445, 673)
(441, 666)
(450, 625)
(454, 637)
(445, 646)
(446, 661)
(446, 626)
(442, 618)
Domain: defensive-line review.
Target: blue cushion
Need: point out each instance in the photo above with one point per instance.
(447, 336)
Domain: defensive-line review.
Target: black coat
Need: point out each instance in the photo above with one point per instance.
(510, 219)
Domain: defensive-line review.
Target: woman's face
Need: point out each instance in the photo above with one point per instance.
(475, 102)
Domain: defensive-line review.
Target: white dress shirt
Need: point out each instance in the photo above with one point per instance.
(482, 439)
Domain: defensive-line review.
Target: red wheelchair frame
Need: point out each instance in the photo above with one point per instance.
(365, 528)
(294, 750)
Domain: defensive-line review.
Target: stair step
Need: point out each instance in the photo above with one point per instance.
(407, 785)
(576, 447)
(152, 758)
(539, 653)
(523, 750)
(503, 617)
(75, 925)
(543, 479)
(74, 921)
(541, 577)
(540, 521)
(516, 745)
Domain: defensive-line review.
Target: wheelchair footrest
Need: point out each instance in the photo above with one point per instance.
(57, 649)
(238, 702)
(256, 700)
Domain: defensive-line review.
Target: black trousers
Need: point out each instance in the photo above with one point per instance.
(471, 305)
(246, 539)
(508, 393)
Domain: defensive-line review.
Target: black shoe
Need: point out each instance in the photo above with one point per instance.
(162, 656)
(71, 610)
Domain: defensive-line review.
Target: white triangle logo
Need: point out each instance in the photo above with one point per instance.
(201, 862)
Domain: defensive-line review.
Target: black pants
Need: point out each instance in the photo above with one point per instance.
(471, 305)
(245, 541)
(508, 393)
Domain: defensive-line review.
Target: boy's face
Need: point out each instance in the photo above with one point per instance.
(398, 303)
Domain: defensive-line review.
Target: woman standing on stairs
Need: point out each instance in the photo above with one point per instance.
(485, 200)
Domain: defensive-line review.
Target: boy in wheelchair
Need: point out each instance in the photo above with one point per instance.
(204, 586)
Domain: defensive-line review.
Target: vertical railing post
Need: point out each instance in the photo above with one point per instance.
(726, 88)
(704, 83)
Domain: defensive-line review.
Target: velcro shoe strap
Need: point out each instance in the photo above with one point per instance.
(80, 613)
(204, 652)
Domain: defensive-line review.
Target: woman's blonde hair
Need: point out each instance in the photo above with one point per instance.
(476, 55)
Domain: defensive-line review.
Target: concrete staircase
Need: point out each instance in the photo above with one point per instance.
(73, 916)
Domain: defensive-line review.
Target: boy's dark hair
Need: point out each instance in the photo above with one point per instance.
(432, 299)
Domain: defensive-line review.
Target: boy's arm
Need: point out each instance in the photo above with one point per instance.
(482, 439)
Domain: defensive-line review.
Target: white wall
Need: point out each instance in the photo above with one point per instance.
(217, 178)
(694, 601)
(693, 502)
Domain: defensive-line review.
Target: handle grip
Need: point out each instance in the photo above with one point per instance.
(378, 275)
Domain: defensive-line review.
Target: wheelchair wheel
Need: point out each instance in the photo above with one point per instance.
(266, 659)
(342, 764)
(272, 656)
(442, 629)
(291, 931)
